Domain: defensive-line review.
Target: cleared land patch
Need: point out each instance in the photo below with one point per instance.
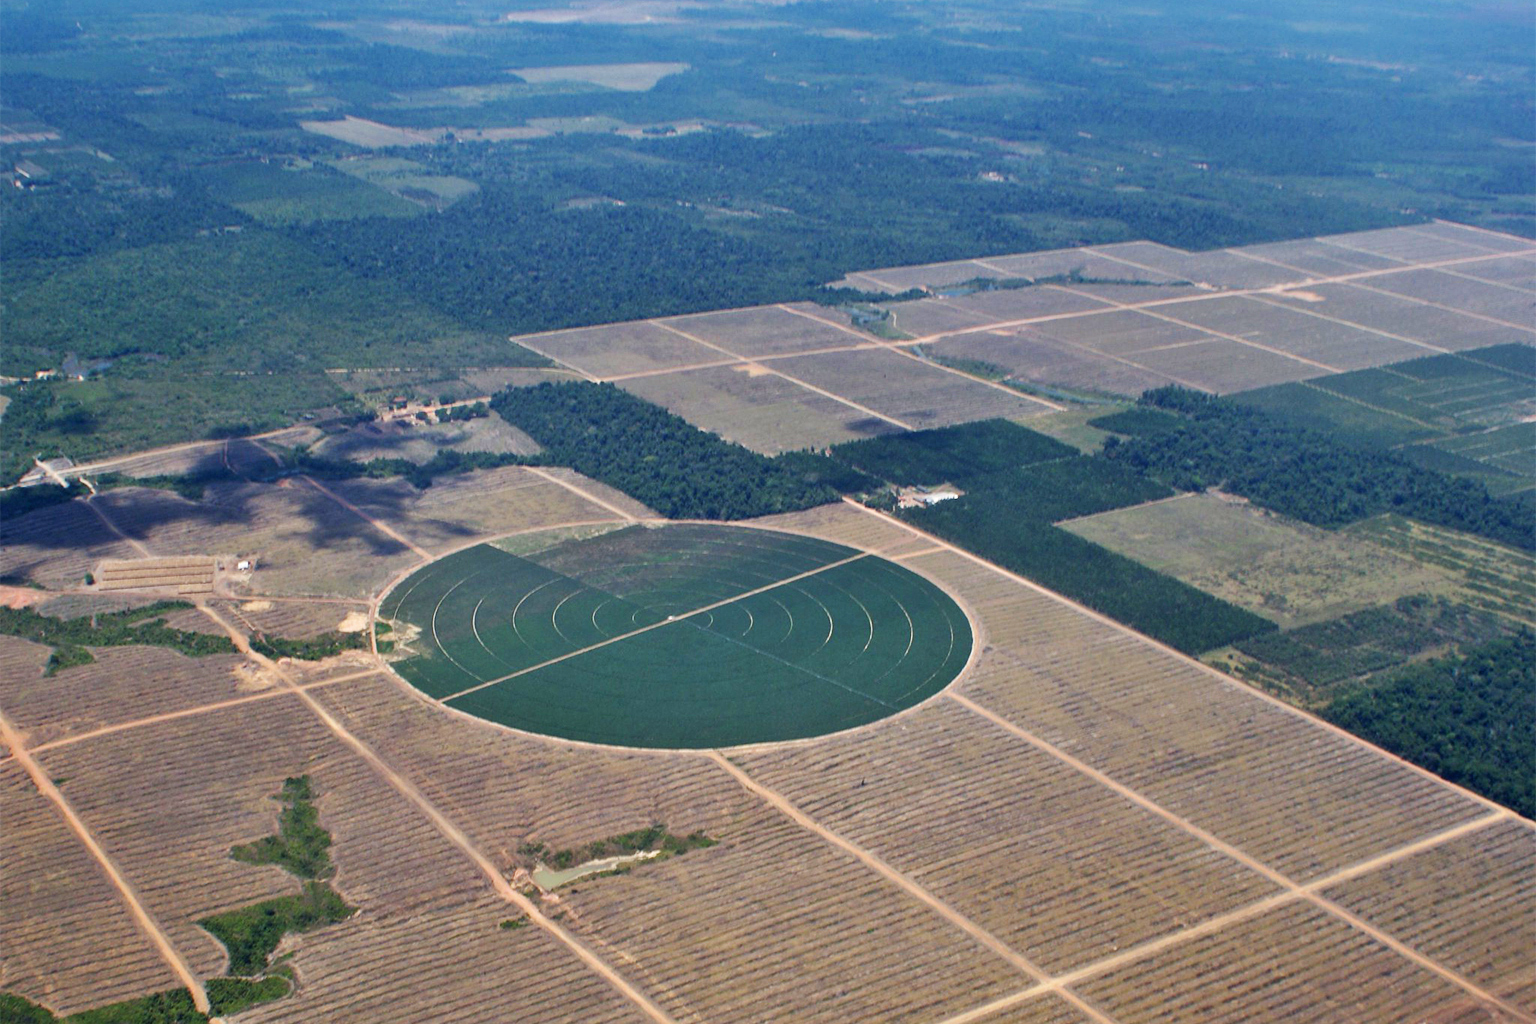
(1280, 568)
(683, 636)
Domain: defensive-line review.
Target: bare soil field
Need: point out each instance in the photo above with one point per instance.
(1006, 304)
(1049, 1009)
(1223, 366)
(1280, 568)
(304, 542)
(56, 546)
(1462, 293)
(922, 317)
(1461, 903)
(613, 350)
(69, 941)
(753, 406)
(911, 392)
(1514, 272)
(123, 684)
(295, 619)
(1280, 966)
(1121, 333)
(1081, 262)
(1409, 245)
(1316, 258)
(722, 933)
(1060, 868)
(772, 330)
(929, 275)
(1395, 314)
(1302, 799)
(1032, 354)
(1217, 269)
(419, 442)
(1292, 332)
(1477, 239)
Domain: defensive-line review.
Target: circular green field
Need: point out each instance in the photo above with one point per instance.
(679, 636)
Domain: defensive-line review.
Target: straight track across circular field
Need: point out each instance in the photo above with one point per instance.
(676, 636)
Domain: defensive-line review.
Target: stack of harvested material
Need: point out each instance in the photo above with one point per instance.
(189, 574)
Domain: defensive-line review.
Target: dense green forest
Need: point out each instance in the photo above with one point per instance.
(961, 455)
(173, 1007)
(653, 456)
(1307, 474)
(190, 235)
(1470, 719)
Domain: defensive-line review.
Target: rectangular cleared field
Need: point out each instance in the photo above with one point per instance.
(612, 350)
(56, 546)
(70, 943)
(753, 406)
(1412, 244)
(1015, 304)
(1079, 262)
(1470, 904)
(930, 275)
(1033, 354)
(1060, 868)
(1225, 366)
(737, 933)
(1478, 238)
(1464, 294)
(1217, 268)
(1316, 257)
(770, 330)
(921, 318)
(1514, 272)
(1281, 966)
(459, 509)
(122, 684)
(1280, 568)
(303, 542)
(1327, 344)
(918, 394)
(1288, 791)
(1429, 325)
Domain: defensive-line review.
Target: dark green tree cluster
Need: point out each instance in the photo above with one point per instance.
(962, 455)
(146, 625)
(250, 934)
(655, 837)
(1306, 474)
(1000, 529)
(1470, 719)
(326, 645)
(173, 1007)
(653, 456)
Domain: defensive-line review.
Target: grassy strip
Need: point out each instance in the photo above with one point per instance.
(70, 637)
(228, 996)
(1468, 719)
(656, 837)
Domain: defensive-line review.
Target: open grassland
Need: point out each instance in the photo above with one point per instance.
(275, 194)
(1282, 569)
(70, 943)
(1490, 576)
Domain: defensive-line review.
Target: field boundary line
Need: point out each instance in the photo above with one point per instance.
(1298, 890)
(1123, 508)
(1273, 300)
(538, 471)
(670, 620)
(140, 914)
(1418, 230)
(387, 531)
(446, 828)
(1414, 299)
(200, 709)
(1192, 662)
(1481, 280)
(1315, 386)
(570, 367)
(793, 380)
(909, 354)
(409, 790)
(1224, 920)
(885, 870)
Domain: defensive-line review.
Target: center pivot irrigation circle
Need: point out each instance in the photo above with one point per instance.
(680, 636)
